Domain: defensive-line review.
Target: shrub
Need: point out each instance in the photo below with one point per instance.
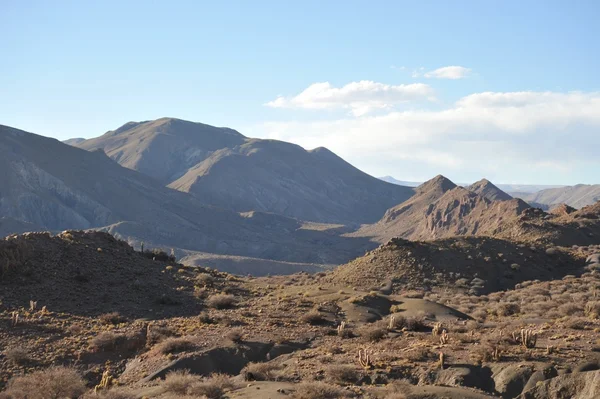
(261, 371)
(235, 336)
(175, 345)
(419, 355)
(112, 318)
(508, 309)
(313, 318)
(318, 390)
(113, 393)
(106, 341)
(221, 301)
(374, 334)
(158, 334)
(342, 374)
(204, 280)
(416, 323)
(179, 381)
(159, 254)
(17, 356)
(51, 383)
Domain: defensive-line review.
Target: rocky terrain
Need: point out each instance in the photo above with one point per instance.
(85, 315)
(48, 185)
(221, 167)
(576, 196)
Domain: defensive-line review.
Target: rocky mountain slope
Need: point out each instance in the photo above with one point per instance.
(440, 209)
(576, 196)
(225, 169)
(486, 189)
(56, 187)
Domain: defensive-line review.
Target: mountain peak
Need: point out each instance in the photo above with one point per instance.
(487, 189)
(438, 183)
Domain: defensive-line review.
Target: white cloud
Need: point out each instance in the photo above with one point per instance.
(518, 134)
(360, 98)
(448, 72)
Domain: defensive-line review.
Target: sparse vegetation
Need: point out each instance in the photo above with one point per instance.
(221, 301)
(51, 383)
(175, 345)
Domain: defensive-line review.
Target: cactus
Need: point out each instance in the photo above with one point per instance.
(437, 329)
(392, 322)
(526, 337)
(364, 359)
(14, 318)
(444, 337)
(442, 360)
(106, 382)
(32, 306)
(341, 329)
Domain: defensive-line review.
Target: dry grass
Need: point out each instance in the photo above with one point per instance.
(342, 374)
(176, 345)
(261, 371)
(113, 318)
(221, 301)
(313, 318)
(106, 341)
(18, 356)
(51, 383)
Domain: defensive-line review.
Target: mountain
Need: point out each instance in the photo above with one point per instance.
(576, 196)
(279, 177)
(74, 141)
(440, 209)
(486, 189)
(390, 179)
(164, 148)
(512, 189)
(221, 167)
(55, 186)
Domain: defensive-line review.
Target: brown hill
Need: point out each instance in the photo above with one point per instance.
(279, 177)
(486, 189)
(164, 148)
(225, 169)
(57, 187)
(441, 209)
(475, 264)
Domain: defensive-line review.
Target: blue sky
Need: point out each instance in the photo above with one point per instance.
(369, 80)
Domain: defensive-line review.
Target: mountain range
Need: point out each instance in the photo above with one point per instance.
(221, 167)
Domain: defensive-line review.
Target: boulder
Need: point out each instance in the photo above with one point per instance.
(511, 379)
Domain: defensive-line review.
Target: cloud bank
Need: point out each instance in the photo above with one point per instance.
(360, 97)
(514, 136)
(449, 72)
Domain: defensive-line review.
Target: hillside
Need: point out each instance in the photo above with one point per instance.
(486, 189)
(440, 209)
(164, 148)
(283, 178)
(57, 187)
(576, 196)
(225, 169)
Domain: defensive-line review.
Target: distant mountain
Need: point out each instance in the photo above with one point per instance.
(512, 189)
(74, 141)
(390, 179)
(164, 148)
(486, 189)
(576, 196)
(223, 168)
(54, 186)
(441, 209)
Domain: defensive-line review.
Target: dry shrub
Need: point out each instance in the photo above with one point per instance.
(221, 301)
(179, 382)
(592, 310)
(204, 280)
(400, 389)
(318, 390)
(106, 341)
(17, 356)
(175, 345)
(113, 393)
(508, 309)
(577, 323)
(261, 371)
(419, 355)
(235, 336)
(51, 383)
(158, 334)
(373, 333)
(570, 309)
(112, 318)
(415, 323)
(313, 318)
(491, 351)
(342, 374)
